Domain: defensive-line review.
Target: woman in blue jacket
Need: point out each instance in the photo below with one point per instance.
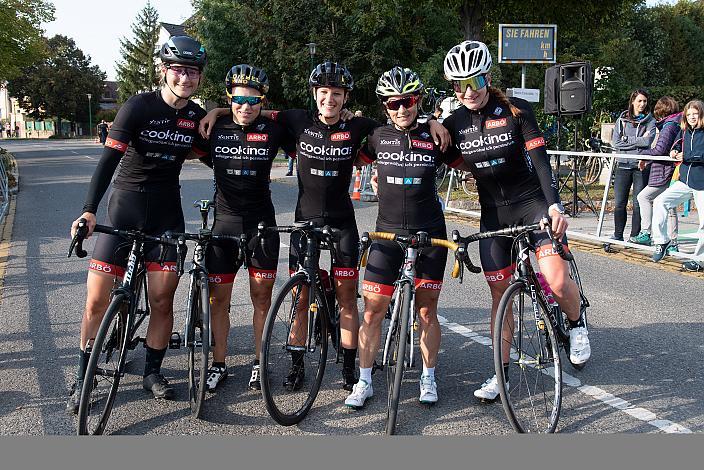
(667, 113)
(634, 131)
(689, 148)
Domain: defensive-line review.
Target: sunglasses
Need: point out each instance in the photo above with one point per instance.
(188, 71)
(250, 100)
(475, 83)
(407, 102)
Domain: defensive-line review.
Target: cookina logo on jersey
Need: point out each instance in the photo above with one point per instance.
(486, 140)
(257, 137)
(337, 136)
(222, 150)
(174, 136)
(405, 157)
(321, 150)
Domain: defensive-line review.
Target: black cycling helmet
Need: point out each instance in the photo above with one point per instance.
(183, 50)
(331, 74)
(246, 75)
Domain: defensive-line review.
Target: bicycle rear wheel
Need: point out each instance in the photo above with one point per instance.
(398, 357)
(198, 341)
(531, 395)
(105, 368)
(289, 393)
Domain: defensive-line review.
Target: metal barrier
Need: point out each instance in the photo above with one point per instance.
(597, 235)
(4, 186)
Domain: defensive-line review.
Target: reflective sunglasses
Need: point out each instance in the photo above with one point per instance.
(475, 83)
(407, 102)
(188, 71)
(250, 100)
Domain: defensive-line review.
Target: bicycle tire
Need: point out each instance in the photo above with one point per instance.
(100, 383)
(590, 169)
(290, 405)
(397, 361)
(469, 184)
(198, 342)
(533, 356)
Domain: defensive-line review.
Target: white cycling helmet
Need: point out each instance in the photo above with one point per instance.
(466, 60)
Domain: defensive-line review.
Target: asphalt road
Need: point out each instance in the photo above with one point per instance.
(646, 331)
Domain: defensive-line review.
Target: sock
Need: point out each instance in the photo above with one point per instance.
(429, 372)
(82, 364)
(219, 364)
(297, 357)
(365, 373)
(348, 358)
(256, 362)
(152, 362)
(506, 372)
(575, 323)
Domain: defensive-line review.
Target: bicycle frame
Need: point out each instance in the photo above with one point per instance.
(408, 274)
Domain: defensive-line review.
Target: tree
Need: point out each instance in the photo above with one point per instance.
(138, 70)
(58, 85)
(21, 41)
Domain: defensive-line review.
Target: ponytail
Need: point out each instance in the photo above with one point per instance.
(501, 98)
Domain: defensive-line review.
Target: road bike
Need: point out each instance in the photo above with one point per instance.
(398, 353)
(302, 316)
(528, 329)
(117, 334)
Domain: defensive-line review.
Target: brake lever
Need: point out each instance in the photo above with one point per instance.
(181, 251)
(77, 240)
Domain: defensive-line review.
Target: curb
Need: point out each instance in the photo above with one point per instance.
(5, 242)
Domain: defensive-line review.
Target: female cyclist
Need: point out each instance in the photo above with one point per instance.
(502, 146)
(407, 159)
(243, 146)
(152, 135)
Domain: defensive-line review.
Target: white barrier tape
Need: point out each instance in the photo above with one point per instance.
(629, 156)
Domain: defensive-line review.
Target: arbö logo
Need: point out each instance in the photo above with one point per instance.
(257, 137)
(421, 144)
(186, 124)
(495, 123)
(340, 136)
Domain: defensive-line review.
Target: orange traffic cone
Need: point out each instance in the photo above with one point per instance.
(357, 186)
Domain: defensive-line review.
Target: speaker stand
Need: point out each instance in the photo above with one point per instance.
(576, 181)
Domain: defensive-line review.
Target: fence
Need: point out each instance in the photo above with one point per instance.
(4, 185)
(596, 236)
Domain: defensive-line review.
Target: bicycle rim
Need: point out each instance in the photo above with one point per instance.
(288, 402)
(397, 361)
(198, 343)
(533, 398)
(105, 368)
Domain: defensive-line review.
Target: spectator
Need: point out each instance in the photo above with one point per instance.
(689, 148)
(8, 130)
(668, 118)
(17, 130)
(634, 131)
(103, 131)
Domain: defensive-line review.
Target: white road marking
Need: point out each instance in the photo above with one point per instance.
(597, 393)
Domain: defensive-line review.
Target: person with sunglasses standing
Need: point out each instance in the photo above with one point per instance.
(326, 150)
(503, 147)
(407, 159)
(152, 135)
(243, 146)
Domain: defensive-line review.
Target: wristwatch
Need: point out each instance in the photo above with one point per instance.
(558, 207)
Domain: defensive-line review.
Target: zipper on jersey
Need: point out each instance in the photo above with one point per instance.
(493, 174)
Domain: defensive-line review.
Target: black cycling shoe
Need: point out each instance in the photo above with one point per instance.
(295, 378)
(255, 379)
(74, 398)
(159, 386)
(349, 379)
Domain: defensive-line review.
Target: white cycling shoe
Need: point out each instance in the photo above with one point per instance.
(428, 391)
(489, 391)
(580, 349)
(360, 392)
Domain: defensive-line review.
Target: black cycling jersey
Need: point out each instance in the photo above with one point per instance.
(325, 155)
(506, 154)
(406, 164)
(155, 139)
(242, 158)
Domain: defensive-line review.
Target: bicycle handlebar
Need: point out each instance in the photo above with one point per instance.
(419, 240)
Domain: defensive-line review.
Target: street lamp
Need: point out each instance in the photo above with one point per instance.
(311, 50)
(90, 116)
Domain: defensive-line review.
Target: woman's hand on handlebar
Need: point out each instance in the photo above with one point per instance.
(90, 223)
(559, 223)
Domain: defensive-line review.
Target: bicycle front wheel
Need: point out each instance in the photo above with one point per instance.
(105, 368)
(397, 360)
(291, 372)
(531, 394)
(198, 342)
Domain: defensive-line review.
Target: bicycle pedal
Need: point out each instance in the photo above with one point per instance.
(376, 367)
(135, 342)
(175, 340)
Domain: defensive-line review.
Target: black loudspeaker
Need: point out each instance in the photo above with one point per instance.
(568, 89)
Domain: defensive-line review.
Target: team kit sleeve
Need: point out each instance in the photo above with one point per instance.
(119, 138)
(367, 151)
(535, 146)
(201, 145)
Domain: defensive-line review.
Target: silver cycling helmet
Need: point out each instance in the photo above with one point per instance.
(398, 81)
